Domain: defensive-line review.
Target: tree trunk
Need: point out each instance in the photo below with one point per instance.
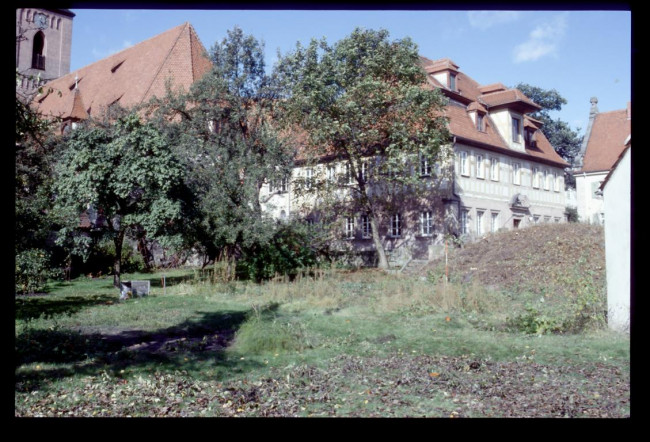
(117, 261)
(381, 253)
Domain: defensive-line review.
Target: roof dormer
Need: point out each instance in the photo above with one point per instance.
(445, 72)
(477, 113)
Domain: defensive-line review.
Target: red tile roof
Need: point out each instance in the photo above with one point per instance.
(473, 97)
(131, 76)
(607, 139)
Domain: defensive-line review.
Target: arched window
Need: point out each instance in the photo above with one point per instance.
(58, 23)
(38, 59)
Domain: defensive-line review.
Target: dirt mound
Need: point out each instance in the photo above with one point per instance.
(547, 259)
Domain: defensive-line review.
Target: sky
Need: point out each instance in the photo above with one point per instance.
(579, 53)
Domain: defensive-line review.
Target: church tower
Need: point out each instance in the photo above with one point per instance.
(43, 46)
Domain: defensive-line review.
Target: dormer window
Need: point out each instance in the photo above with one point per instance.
(452, 81)
(516, 130)
(529, 137)
(480, 122)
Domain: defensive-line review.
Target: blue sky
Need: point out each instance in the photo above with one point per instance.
(580, 54)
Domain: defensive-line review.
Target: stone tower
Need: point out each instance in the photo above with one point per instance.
(43, 44)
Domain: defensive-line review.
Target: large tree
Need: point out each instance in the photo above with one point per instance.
(364, 102)
(224, 132)
(124, 177)
(564, 140)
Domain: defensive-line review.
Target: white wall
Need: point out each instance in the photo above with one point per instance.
(589, 206)
(617, 244)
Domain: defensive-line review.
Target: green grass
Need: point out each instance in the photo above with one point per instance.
(338, 343)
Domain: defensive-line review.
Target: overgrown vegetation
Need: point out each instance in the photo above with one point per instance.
(328, 342)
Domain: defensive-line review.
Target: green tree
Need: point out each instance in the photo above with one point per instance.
(364, 102)
(564, 140)
(124, 172)
(224, 132)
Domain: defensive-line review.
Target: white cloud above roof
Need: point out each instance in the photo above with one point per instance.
(543, 41)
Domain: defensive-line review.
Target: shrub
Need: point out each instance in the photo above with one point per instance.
(33, 270)
(287, 253)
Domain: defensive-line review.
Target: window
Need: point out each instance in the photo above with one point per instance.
(279, 186)
(396, 225)
(331, 173)
(365, 171)
(366, 229)
(516, 130)
(464, 217)
(309, 178)
(480, 124)
(480, 167)
(349, 227)
(556, 182)
(464, 164)
(425, 166)
(494, 169)
(535, 177)
(452, 81)
(547, 180)
(494, 222)
(536, 219)
(516, 173)
(426, 223)
(38, 59)
(348, 174)
(479, 222)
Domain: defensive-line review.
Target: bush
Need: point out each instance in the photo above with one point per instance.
(33, 270)
(287, 253)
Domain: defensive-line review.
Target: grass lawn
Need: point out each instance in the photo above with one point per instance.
(336, 343)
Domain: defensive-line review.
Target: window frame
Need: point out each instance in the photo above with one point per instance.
(516, 130)
(349, 227)
(464, 221)
(464, 163)
(495, 166)
(426, 223)
(480, 167)
(479, 222)
(396, 225)
(516, 174)
(494, 222)
(366, 227)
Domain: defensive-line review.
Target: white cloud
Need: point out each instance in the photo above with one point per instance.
(486, 19)
(544, 40)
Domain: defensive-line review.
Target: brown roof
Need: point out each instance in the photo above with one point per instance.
(510, 97)
(476, 97)
(607, 139)
(132, 76)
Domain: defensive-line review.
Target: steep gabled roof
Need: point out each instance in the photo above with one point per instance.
(606, 141)
(133, 75)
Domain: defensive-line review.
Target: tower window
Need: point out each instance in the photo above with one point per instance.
(38, 59)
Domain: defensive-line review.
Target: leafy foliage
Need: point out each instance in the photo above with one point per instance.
(125, 178)
(33, 269)
(364, 98)
(288, 252)
(223, 131)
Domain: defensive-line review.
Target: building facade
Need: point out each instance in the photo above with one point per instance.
(506, 175)
(43, 45)
(603, 143)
